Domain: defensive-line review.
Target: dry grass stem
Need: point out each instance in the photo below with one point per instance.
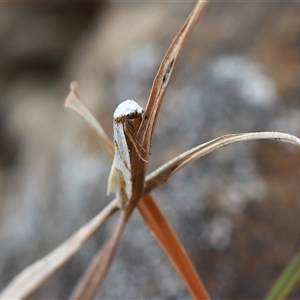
(35, 275)
(145, 132)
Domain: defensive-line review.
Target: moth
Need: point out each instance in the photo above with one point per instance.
(126, 122)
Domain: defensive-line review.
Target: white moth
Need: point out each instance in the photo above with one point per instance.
(127, 119)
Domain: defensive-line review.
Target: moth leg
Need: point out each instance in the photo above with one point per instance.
(137, 146)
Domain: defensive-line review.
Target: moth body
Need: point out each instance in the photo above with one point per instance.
(127, 118)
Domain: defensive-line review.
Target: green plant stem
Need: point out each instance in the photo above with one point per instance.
(287, 280)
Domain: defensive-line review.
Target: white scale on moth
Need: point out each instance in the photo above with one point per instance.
(127, 119)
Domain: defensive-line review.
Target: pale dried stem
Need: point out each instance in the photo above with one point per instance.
(36, 274)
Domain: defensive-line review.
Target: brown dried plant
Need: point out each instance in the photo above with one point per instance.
(30, 279)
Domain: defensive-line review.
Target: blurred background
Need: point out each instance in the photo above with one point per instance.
(236, 210)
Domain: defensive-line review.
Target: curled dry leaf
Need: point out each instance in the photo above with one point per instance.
(75, 103)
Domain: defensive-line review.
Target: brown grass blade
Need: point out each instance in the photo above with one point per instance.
(74, 102)
(31, 278)
(145, 133)
(172, 246)
(162, 174)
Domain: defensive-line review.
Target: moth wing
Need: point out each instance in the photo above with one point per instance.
(120, 174)
(121, 148)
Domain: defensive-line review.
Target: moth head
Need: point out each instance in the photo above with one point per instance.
(128, 110)
(133, 115)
